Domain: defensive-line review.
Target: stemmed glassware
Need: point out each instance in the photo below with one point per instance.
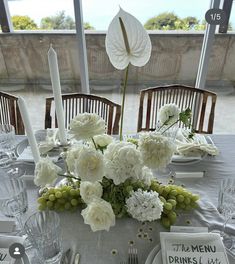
(43, 229)
(226, 206)
(13, 199)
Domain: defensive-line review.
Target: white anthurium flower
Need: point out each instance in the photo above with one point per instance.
(127, 41)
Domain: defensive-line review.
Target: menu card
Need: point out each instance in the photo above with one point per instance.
(194, 248)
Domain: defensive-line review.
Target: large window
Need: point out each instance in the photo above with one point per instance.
(42, 15)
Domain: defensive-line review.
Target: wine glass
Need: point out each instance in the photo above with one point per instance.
(43, 229)
(7, 144)
(226, 206)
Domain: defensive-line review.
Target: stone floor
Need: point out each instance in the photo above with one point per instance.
(224, 115)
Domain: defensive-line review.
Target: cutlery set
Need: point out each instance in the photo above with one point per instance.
(132, 256)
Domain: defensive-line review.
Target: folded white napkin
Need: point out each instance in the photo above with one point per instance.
(197, 146)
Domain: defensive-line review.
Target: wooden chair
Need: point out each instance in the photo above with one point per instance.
(10, 113)
(201, 102)
(76, 103)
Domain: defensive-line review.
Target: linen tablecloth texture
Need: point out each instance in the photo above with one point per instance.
(111, 247)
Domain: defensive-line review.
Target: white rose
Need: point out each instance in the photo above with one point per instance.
(122, 161)
(72, 156)
(156, 150)
(99, 215)
(86, 126)
(45, 172)
(89, 165)
(169, 114)
(89, 190)
(103, 140)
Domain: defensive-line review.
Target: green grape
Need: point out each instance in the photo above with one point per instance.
(172, 216)
(77, 192)
(45, 196)
(165, 211)
(58, 194)
(187, 200)
(42, 207)
(162, 199)
(180, 198)
(173, 193)
(51, 191)
(72, 192)
(41, 200)
(128, 189)
(74, 202)
(195, 197)
(172, 201)
(61, 201)
(67, 206)
(65, 194)
(56, 206)
(50, 204)
(165, 222)
(52, 197)
(168, 206)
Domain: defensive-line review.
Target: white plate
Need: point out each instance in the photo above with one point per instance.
(152, 254)
(158, 258)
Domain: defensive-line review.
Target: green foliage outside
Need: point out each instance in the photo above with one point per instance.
(23, 22)
(59, 21)
(170, 21)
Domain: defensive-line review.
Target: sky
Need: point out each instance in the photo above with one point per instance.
(99, 13)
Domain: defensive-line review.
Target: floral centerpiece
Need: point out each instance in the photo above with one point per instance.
(108, 178)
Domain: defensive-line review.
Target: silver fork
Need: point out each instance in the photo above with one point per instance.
(132, 256)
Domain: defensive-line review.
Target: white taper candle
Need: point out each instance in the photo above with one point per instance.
(55, 81)
(29, 129)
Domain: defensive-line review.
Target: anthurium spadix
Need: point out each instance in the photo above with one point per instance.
(127, 42)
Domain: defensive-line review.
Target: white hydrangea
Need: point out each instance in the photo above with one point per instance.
(90, 190)
(87, 125)
(169, 114)
(146, 176)
(46, 172)
(156, 150)
(144, 205)
(122, 161)
(89, 165)
(103, 140)
(99, 215)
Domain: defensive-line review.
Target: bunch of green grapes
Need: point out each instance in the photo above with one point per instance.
(174, 198)
(60, 199)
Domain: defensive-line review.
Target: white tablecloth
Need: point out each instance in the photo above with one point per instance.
(97, 248)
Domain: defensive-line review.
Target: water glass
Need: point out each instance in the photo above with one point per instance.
(7, 144)
(13, 197)
(43, 229)
(226, 206)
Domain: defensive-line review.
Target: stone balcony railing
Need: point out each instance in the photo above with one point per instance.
(175, 57)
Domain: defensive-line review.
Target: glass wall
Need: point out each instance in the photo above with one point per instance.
(42, 15)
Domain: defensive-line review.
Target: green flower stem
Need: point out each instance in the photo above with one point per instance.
(123, 100)
(170, 126)
(68, 176)
(94, 143)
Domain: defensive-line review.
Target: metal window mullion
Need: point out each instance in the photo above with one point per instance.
(5, 18)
